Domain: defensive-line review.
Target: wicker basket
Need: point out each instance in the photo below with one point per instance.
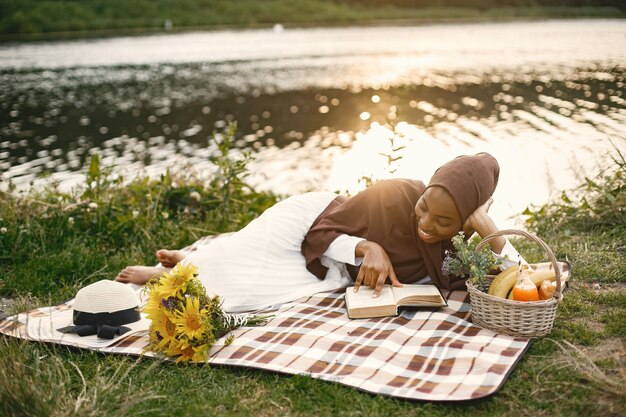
(515, 318)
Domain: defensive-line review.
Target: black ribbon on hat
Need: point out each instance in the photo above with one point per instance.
(105, 325)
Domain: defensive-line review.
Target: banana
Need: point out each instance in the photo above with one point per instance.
(504, 286)
(540, 276)
(500, 277)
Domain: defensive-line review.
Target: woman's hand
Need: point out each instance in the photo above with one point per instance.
(480, 222)
(477, 218)
(375, 268)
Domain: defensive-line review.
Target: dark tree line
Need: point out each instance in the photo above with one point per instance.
(487, 4)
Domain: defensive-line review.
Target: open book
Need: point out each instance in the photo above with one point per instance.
(361, 304)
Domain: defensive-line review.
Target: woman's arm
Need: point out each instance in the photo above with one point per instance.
(480, 222)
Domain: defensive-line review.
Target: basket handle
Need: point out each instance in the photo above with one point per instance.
(536, 239)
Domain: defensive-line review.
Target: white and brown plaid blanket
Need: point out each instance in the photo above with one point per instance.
(435, 355)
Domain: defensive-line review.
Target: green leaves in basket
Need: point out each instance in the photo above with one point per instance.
(466, 261)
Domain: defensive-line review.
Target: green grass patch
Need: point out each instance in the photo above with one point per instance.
(37, 380)
(615, 323)
(577, 331)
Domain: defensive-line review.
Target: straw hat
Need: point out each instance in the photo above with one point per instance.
(103, 313)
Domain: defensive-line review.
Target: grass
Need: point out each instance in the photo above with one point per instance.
(33, 19)
(580, 369)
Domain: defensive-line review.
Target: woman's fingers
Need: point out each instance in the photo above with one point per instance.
(382, 278)
(376, 281)
(477, 216)
(359, 279)
(394, 279)
(380, 283)
(485, 207)
(364, 278)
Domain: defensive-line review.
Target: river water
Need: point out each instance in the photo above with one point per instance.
(324, 108)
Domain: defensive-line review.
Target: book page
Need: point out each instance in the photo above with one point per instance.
(425, 293)
(363, 298)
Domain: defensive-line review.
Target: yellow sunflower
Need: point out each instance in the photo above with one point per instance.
(185, 352)
(186, 271)
(174, 283)
(166, 328)
(190, 320)
(154, 307)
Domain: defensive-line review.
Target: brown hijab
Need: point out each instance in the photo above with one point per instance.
(385, 214)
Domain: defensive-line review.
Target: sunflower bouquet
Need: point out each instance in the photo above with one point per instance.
(185, 321)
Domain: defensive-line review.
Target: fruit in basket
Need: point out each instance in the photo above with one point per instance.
(547, 289)
(540, 276)
(500, 288)
(525, 289)
(502, 277)
(503, 283)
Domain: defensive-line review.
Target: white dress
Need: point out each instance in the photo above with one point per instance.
(262, 265)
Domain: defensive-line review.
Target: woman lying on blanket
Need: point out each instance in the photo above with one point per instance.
(397, 231)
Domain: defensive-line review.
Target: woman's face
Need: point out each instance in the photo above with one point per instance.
(437, 216)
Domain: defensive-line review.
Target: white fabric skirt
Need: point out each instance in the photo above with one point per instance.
(261, 265)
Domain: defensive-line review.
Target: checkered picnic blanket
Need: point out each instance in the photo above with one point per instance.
(435, 355)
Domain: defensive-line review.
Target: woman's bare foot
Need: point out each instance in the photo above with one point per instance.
(138, 274)
(169, 258)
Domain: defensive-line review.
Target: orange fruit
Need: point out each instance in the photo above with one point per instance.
(525, 292)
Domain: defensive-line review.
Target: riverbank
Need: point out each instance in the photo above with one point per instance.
(52, 243)
(31, 21)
